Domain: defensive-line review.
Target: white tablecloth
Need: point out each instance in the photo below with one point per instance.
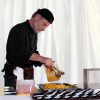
(14, 97)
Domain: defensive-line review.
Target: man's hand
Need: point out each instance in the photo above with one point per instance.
(48, 62)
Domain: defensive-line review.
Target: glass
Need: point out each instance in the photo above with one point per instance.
(53, 73)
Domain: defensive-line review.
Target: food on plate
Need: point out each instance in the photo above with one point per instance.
(56, 86)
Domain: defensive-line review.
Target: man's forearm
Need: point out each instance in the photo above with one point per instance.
(44, 60)
(35, 57)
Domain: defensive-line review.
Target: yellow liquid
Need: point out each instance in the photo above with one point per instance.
(51, 75)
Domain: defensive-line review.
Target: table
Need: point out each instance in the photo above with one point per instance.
(14, 97)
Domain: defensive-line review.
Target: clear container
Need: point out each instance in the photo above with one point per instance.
(1, 84)
(26, 87)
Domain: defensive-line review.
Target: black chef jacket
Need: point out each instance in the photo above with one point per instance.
(21, 43)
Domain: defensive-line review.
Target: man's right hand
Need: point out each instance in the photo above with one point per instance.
(47, 61)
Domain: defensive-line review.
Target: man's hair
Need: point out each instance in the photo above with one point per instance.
(47, 14)
(34, 14)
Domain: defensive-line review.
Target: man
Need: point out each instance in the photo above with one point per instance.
(22, 46)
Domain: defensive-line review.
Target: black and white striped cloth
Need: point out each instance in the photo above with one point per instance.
(9, 91)
(65, 94)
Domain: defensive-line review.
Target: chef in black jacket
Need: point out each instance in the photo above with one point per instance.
(21, 48)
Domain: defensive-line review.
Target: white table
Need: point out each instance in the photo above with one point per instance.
(14, 97)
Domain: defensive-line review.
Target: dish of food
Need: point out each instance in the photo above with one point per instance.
(48, 86)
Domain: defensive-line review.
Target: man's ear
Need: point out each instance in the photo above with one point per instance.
(37, 17)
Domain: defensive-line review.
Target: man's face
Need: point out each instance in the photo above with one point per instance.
(41, 24)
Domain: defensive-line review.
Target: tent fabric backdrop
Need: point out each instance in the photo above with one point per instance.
(72, 40)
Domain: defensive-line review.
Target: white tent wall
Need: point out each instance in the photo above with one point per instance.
(72, 40)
